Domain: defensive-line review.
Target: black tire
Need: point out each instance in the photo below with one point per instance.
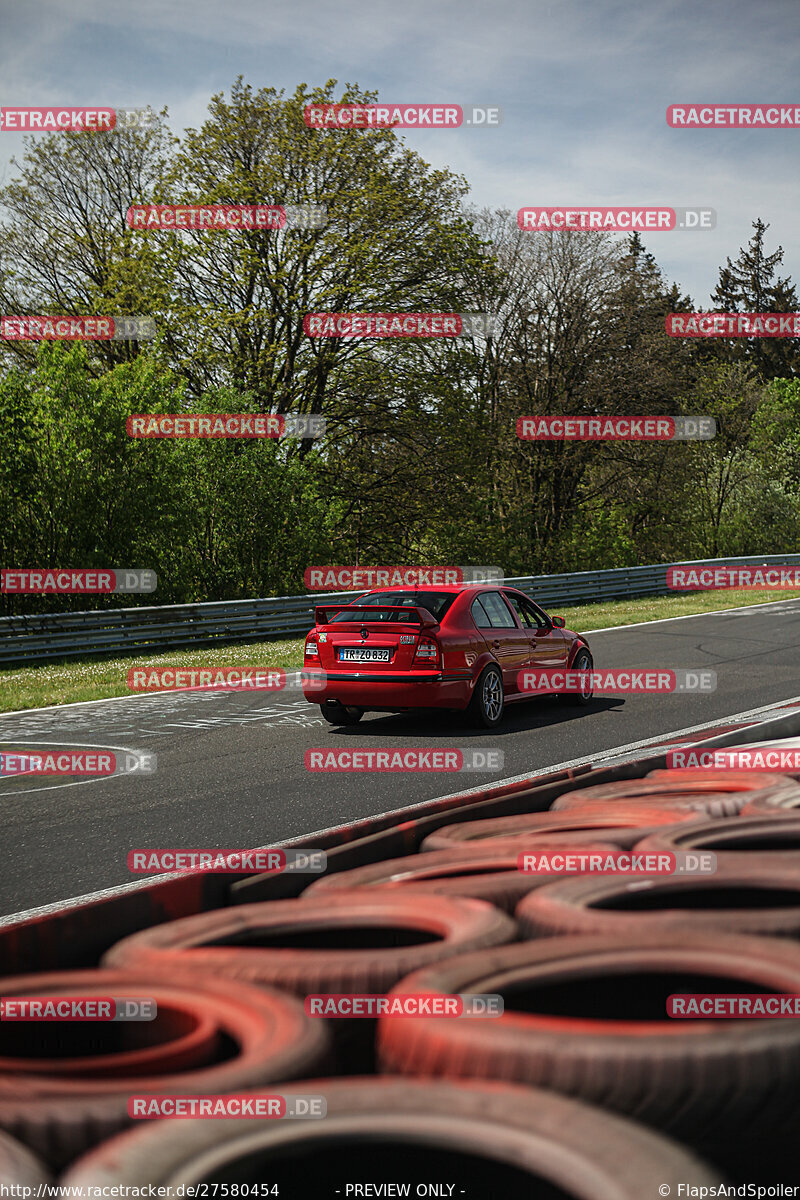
(771, 803)
(482, 708)
(583, 662)
(586, 1016)
(19, 1166)
(761, 899)
(341, 715)
(61, 1095)
(349, 941)
(748, 841)
(487, 872)
(488, 1139)
(622, 825)
(717, 797)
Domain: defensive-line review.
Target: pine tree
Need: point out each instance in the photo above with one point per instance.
(750, 285)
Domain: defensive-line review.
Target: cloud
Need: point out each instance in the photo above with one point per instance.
(584, 88)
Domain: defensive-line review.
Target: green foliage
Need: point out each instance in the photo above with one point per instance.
(215, 519)
(421, 462)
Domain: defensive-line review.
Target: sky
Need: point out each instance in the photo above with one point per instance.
(583, 84)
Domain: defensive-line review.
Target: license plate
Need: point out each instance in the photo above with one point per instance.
(363, 654)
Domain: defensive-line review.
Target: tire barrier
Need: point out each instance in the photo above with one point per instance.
(749, 840)
(486, 873)
(622, 824)
(733, 780)
(484, 1139)
(773, 803)
(362, 941)
(18, 1166)
(359, 941)
(584, 966)
(64, 1085)
(717, 793)
(586, 1016)
(759, 899)
(707, 804)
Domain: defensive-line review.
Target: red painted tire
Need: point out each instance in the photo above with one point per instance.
(485, 1139)
(715, 797)
(707, 804)
(587, 1016)
(771, 803)
(60, 1108)
(19, 1166)
(747, 841)
(487, 873)
(621, 824)
(734, 780)
(735, 899)
(382, 934)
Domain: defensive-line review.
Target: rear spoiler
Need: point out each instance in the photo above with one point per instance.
(408, 614)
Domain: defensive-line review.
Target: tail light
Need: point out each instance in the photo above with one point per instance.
(311, 648)
(427, 654)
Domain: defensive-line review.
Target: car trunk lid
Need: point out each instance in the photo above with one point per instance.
(375, 638)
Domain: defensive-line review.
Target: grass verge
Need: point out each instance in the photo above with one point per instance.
(99, 679)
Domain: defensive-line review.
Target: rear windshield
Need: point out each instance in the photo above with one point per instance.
(437, 604)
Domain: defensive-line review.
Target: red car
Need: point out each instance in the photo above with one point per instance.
(459, 648)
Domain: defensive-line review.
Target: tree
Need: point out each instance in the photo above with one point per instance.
(750, 285)
(394, 241)
(721, 467)
(65, 246)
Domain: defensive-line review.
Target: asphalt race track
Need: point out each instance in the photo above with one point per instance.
(230, 766)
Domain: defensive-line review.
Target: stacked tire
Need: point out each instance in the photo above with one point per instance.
(64, 1086)
(584, 1086)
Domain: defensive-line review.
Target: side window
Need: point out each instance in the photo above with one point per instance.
(525, 619)
(495, 606)
(480, 615)
(536, 619)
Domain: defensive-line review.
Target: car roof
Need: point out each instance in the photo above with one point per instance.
(454, 588)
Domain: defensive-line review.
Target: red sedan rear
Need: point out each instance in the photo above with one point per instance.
(458, 648)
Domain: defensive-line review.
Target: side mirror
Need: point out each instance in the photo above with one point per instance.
(558, 622)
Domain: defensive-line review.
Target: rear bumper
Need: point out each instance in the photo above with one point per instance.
(374, 690)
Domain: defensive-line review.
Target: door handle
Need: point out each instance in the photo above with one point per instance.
(495, 645)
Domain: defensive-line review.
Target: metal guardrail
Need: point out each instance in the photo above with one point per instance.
(55, 636)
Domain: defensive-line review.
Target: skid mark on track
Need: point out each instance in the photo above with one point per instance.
(161, 718)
